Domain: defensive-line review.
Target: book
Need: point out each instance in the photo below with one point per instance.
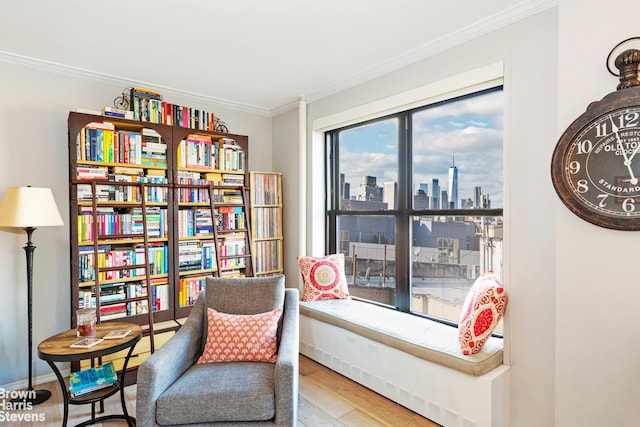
(117, 112)
(116, 334)
(92, 379)
(87, 342)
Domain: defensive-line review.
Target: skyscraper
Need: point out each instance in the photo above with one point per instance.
(390, 194)
(368, 190)
(477, 197)
(453, 182)
(435, 194)
(444, 200)
(420, 200)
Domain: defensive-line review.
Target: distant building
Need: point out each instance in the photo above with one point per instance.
(390, 194)
(453, 183)
(435, 194)
(477, 197)
(420, 200)
(369, 190)
(344, 188)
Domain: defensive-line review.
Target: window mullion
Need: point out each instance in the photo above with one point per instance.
(403, 229)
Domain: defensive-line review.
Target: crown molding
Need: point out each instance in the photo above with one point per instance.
(513, 14)
(491, 23)
(81, 73)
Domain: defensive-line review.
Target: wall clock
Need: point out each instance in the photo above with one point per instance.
(595, 166)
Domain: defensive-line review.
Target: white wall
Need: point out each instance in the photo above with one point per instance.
(34, 106)
(570, 336)
(528, 50)
(596, 282)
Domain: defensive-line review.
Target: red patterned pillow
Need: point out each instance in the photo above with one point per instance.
(482, 310)
(241, 338)
(323, 277)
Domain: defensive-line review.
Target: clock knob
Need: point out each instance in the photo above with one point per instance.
(627, 62)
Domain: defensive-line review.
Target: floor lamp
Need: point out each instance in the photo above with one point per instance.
(29, 208)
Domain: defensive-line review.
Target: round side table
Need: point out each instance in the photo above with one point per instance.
(58, 349)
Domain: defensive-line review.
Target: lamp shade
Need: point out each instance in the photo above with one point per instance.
(29, 207)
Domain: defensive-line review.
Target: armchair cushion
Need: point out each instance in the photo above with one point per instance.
(215, 392)
(241, 338)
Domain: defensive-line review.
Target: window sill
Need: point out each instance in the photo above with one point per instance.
(422, 338)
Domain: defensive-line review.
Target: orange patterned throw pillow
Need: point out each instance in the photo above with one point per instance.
(323, 277)
(241, 338)
(482, 310)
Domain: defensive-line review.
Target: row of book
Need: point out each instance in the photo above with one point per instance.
(121, 256)
(196, 255)
(265, 189)
(199, 192)
(133, 174)
(124, 192)
(198, 222)
(267, 223)
(112, 221)
(189, 289)
(111, 294)
(230, 218)
(267, 255)
(195, 222)
(147, 106)
(101, 142)
(159, 297)
(196, 186)
(232, 246)
(203, 152)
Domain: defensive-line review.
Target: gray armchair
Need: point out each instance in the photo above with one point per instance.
(173, 390)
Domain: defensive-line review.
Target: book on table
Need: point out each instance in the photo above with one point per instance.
(116, 334)
(92, 379)
(87, 342)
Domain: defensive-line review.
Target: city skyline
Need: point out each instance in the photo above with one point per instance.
(371, 190)
(470, 127)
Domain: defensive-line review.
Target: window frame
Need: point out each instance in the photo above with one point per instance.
(404, 212)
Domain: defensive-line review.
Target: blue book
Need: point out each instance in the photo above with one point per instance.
(92, 379)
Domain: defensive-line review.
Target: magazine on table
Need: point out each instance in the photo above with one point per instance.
(92, 379)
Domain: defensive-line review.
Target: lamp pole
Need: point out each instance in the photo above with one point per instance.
(35, 397)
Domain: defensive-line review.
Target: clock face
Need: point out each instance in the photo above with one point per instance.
(598, 169)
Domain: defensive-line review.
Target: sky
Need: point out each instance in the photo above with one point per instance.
(469, 130)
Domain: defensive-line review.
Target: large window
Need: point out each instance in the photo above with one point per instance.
(415, 203)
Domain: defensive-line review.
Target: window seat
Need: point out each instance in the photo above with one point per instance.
(422, 338)
(413, 361)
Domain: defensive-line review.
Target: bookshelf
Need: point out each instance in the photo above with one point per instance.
(133, 188)
(265, 201)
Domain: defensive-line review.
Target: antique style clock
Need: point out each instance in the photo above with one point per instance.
(595, 166)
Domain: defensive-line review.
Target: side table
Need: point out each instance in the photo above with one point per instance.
(58, 349)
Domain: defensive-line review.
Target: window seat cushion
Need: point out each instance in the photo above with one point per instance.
(422, 338)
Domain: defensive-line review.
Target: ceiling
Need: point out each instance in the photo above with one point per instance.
(247, 54)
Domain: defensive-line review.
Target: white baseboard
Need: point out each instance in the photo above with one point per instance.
(40, 379)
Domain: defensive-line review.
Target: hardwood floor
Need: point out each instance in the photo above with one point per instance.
(329, 399)
(326, 399)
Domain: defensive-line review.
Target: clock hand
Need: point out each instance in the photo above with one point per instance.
(627, 160)
(634, 153)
